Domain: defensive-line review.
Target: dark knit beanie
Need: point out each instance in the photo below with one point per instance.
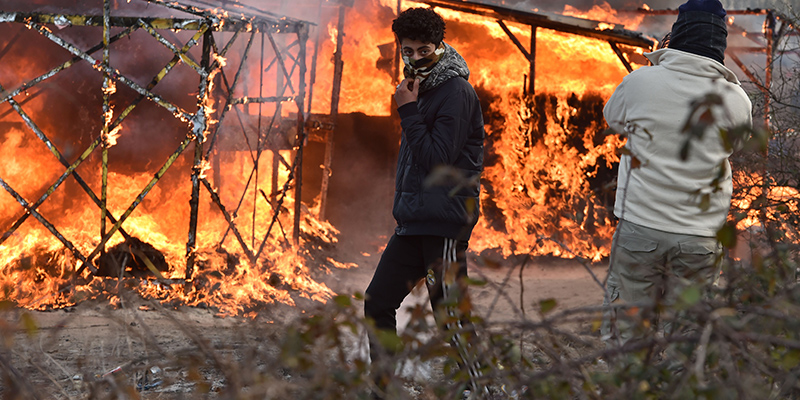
(700, 29)
(709, 6)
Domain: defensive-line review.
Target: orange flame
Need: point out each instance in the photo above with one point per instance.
(547, 154)
(540, 189)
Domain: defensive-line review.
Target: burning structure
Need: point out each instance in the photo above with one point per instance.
(135, 190)
(198, 148)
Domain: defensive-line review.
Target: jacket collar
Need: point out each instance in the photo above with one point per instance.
(689, 63)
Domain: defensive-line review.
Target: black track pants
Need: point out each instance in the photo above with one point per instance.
(442, 262)
(406, 260)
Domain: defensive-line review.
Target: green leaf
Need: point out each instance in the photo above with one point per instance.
(596, 325)
(791, 359)
(389, 340)
(727, 235)
(476, 282)
(471, 205)
(705, 201)
(690, 296)
(684, 153)
(343, 301)
(30, 324)
(723, 312)
(547, 305)
(513, 353)
(292, 349)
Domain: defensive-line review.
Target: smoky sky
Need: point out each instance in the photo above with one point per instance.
(556, 6)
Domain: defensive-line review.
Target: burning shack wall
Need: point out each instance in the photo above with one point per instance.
(168, 136)
(548, 167)
(548, 179)
(543, 79)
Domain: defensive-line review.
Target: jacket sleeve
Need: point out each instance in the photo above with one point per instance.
(442, 142)
(614, 110)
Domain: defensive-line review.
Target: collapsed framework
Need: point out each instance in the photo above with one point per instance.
(286, 64)
(283, 63)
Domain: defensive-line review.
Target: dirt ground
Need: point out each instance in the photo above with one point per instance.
(57, 352)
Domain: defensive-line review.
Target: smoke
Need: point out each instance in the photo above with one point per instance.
(546, 6)
(91, 7)
(655, 26)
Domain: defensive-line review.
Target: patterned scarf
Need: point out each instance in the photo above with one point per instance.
(443, 64)
(422, 68)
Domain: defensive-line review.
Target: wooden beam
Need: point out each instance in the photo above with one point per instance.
(621, 56)
(576, 26)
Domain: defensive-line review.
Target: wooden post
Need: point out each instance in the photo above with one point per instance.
(337, 84)
(302, 36)
(532, 61)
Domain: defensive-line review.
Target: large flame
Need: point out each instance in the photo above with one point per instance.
(541, 196)
(546, 167)
(543, 193)
(39, 272)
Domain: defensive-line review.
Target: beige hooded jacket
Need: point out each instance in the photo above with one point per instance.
(650, 107)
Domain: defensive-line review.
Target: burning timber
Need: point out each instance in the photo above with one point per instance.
(226, 161)
(132, 257)
(614, 34)
(260, 214)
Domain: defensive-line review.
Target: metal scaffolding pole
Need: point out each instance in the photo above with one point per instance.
(769, 32)
(301, 133)
(259, 139)
(108, 114)
(201, 123)
(199, 130)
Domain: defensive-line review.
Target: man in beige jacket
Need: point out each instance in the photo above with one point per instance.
(671, 202)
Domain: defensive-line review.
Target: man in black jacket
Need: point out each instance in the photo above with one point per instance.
(437, 187)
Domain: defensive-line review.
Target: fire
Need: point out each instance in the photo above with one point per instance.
(540, 197)
(761, 216)
(39, 271)
(364, 89)
(604, 26)
(542, 193)
(604, 12)
(223, 277)
(778, 198)
(111, 136)
(546, 158)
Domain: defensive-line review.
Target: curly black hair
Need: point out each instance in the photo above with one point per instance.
(421, 24)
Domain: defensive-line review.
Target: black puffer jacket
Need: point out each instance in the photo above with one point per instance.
(443, 128)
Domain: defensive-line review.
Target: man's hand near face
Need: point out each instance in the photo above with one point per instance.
(403, 95)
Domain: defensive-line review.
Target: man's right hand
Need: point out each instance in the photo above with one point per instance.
(403, 95)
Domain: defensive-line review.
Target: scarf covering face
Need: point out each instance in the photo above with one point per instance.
(443, 64)
(422, 68)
